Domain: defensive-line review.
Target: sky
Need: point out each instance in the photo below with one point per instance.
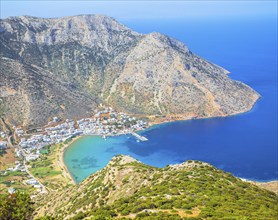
(128, 10)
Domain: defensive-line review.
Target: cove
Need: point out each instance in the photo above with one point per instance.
(223, 142)
(245, 144)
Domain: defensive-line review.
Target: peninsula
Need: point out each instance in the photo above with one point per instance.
(65, 67)
(61, 78)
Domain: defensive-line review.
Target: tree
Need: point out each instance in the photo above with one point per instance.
(17, 206)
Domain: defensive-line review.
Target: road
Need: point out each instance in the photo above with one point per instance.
(44, 190)
(10, 141)
(10, 135)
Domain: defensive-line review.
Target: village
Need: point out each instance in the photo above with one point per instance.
(105, 123)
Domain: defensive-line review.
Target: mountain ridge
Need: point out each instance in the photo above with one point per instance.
(140, 74)
(129, 189)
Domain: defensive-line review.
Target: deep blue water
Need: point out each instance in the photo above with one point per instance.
(245, 145)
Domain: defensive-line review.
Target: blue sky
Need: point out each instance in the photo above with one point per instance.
(127, 10)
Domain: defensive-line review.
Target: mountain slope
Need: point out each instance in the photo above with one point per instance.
(105, 61)
(30, 95)
(161, 76)
(128, 188)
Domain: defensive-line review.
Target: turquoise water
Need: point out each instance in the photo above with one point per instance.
(89, 154)
(245, 145)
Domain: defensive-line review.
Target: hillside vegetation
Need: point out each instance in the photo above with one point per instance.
(17, 206)
(128, 189)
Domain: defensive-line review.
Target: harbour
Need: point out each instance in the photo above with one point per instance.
(139, 137)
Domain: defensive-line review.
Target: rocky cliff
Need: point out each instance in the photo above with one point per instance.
(67, 66)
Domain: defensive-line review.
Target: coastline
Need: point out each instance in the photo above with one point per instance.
(156, 122)
(271, 185)
(182, 117)
(61, 162)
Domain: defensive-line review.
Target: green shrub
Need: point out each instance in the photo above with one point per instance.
(17, 206)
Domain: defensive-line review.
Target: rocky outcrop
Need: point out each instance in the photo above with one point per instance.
(104, 61)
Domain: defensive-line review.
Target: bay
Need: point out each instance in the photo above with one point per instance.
(245, 145)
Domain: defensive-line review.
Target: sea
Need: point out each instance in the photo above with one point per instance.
(244, 145)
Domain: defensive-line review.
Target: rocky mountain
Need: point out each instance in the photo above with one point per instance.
(32, 95)
(128, 189)
(66, 66)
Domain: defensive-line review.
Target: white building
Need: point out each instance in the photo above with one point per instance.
(19, 131)
(32, 157)
(11, 190)
(3, 144)
(2, 134)
(32, 182)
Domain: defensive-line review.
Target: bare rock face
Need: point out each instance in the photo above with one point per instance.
(31, 95)
(161, 76)
(100, 60)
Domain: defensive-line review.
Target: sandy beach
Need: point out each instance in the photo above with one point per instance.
(61, 162)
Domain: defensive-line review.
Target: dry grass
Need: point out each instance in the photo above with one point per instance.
(271, 186)
(7, 158)
(181, 212)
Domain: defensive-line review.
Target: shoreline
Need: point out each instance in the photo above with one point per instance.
(156, 122)
(181, 117)
(62, 163)
(271, 185)
(67, 173)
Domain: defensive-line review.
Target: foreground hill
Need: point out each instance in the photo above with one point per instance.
(128, 189)
(51, 66)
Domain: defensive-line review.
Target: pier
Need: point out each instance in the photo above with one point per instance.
(141, 138)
